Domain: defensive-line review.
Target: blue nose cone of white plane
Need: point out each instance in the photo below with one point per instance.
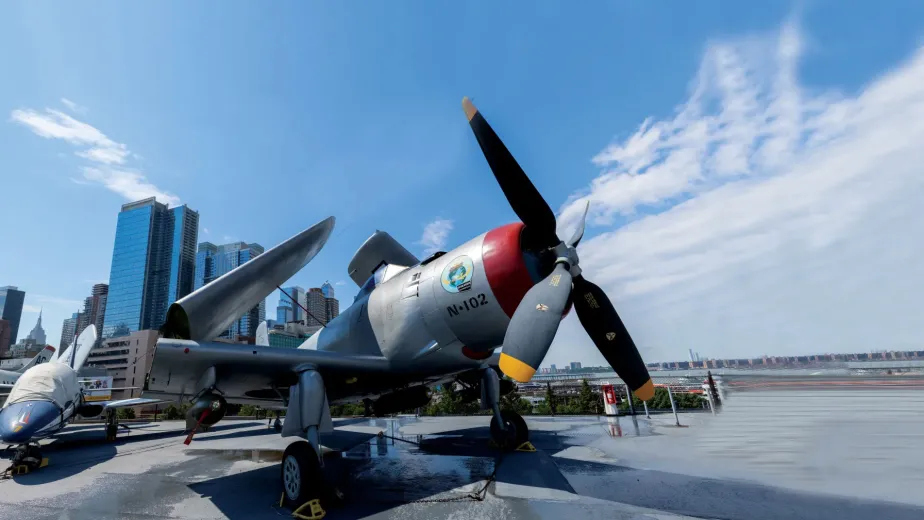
(20, 422)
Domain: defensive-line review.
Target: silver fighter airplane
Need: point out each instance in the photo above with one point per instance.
(414, 324)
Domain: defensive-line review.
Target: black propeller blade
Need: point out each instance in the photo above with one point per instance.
(523, 197)
(602, 323)
(534, 324)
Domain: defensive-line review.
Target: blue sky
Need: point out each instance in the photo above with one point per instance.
(269, 118)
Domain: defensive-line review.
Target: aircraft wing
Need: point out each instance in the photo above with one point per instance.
(242, 373)
(125, 403)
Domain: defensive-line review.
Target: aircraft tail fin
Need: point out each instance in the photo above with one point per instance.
(262, 335)
(79, 351)
(47, 354)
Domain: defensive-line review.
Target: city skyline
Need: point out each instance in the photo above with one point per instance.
(752, 175)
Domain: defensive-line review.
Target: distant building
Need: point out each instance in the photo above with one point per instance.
(153, 265)
(69, 330)
(553, 369)
(94, 309)
(321, 308)
(4, 337)
(38, 333)
(328, 290)
(287, 310)
(11, 302)
(26, 347)
(575, 365)
(127, 359)
(214, 261)
(317, 307)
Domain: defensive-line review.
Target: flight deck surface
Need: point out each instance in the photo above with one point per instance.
(591, 467)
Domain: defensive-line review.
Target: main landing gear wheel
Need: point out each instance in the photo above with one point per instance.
(277, 425)
(302, 478)
(517, 432)
(112, 431)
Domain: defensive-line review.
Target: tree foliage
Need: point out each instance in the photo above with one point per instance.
(126, 413)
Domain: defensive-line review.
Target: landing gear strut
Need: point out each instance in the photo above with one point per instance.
(303, 486)
(508, 429)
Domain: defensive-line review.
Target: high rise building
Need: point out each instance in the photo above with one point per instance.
(575, 365)
(4, 337)
(69, 330)
(328, 290)
(94, 308)
(38, 333)
(287, 311)
(153, 265)
(214, 261)
(11, 301)
(317, 307)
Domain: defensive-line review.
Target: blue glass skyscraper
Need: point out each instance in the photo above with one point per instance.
(287, 311)
(214, 261)
(153, 265)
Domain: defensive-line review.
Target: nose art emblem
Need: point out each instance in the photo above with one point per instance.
(610, 335)
(542, 307)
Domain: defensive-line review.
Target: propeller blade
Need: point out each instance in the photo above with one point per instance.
(579, 232)
(523, 197)
(534, 324)
(602, 323)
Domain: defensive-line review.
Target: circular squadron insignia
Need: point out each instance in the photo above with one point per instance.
(457, 275)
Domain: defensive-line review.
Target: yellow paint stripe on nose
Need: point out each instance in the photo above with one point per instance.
(515, 368)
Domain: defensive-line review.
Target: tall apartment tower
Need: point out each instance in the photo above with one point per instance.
(153, 265)
(214, 261)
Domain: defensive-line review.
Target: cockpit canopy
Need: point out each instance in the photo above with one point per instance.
(383, 273)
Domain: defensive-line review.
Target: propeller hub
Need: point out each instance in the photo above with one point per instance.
(565, 254)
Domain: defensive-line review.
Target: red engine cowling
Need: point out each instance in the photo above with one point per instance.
(505, 266)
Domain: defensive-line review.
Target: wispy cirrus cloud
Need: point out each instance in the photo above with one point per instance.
(435, 235)
(108, 157)
(74, 107)
(764, 216)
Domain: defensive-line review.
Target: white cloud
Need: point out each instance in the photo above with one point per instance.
(31, 308)
(340, 282)
(205, 230)
(779, 220)
(74, 107)
(435, 235)
(129, 184)
(109, 156)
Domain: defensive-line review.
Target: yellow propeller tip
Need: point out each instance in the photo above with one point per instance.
(646, 391)
(468, 108)
(518, 370)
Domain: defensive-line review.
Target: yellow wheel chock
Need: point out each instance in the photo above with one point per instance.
(316, 512)
(526, 446)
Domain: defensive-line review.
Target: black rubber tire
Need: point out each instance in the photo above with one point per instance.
(301, 462)
(517, 432)
(112, 431)
(277, 425)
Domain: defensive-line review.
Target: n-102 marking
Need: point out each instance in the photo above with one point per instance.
(472, 303)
